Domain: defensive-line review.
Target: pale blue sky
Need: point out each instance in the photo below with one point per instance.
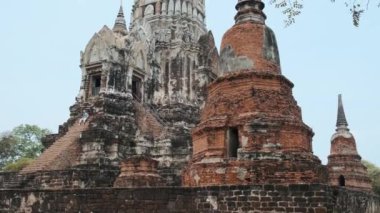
(322, 54)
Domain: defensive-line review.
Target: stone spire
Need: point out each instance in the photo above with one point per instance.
(120, 23)
(341, 122)
(250, 10)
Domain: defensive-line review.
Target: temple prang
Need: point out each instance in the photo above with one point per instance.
(163, 122)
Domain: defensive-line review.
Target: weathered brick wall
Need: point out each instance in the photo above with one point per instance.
(249, 172)
(355, 201)
(7, 179)
(73, 178)
(258, 198)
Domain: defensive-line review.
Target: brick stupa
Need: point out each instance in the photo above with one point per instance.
(251, 128)
(345, 167)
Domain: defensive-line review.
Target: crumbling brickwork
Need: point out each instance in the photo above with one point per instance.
(138, 172)
(251, 128)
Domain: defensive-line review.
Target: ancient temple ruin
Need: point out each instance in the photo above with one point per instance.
(174, 126)
(143, 88)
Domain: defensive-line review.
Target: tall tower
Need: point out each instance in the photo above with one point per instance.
(251, 129)
(171, 51)
(168, 57)
(171, 58)
(344, 165)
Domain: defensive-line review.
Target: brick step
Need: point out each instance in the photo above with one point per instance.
(51, 159)
(148, 121)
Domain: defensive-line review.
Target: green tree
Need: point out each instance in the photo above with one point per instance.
(8, 150)
(29, 139)
(21, 144)
(374, 174)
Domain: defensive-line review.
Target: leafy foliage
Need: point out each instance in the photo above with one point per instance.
(356, 9)
(18, 165)
(290, 9)
(8, 150)
(374, 174)
(29, 139)
(23, 142)
(293, 8)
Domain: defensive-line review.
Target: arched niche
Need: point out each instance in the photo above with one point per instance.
(149, 10)
(342, 181)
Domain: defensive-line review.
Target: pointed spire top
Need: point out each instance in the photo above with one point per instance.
(250, 10)
(341, 122)
(120, 23)
(121, 11)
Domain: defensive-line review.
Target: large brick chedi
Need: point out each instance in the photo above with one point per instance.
(345, 166)
(251, 128)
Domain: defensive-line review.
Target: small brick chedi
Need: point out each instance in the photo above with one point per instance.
(164, 123)
(344, 165)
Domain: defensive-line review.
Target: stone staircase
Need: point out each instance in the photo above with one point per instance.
(148, 122)
(62, 154)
